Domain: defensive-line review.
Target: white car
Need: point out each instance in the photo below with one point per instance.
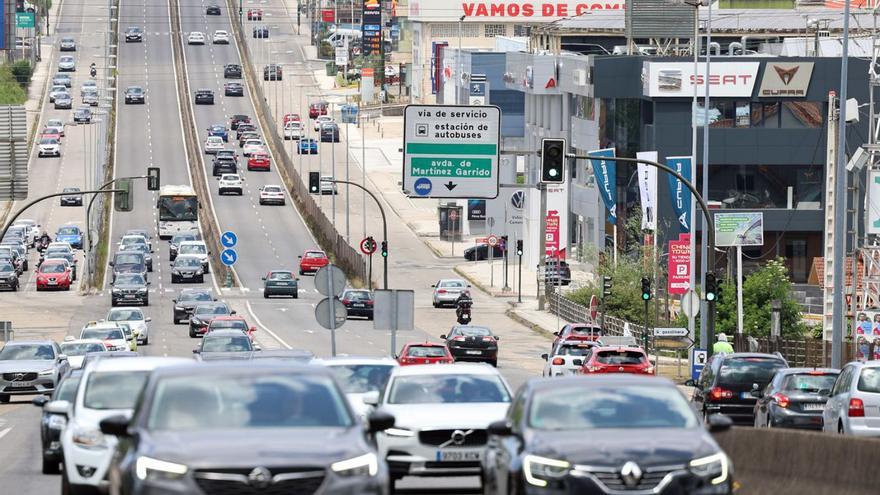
(49, 147)
(321, 120)
(360, 376)
(55, 124)
(213, 144)
(32, 226)
(108, 387)
(66, 63)
(293, 130)
(253, 146)
(196, 38)
(59, 245)
(129, 240)
(230, 183)
(90, 98)
(76, 350)
(272, 194)
(136, 320)
(441, 417)
(447, 291)
(55, 91)
(566, 358)
(220, 37)
(110, 333)
(853, 406)
(196, 248)
(87, 86)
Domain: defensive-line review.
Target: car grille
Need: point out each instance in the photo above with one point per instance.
(440, 437)
(648, 481)
(283, 481)
(25, 377)
(20, 389)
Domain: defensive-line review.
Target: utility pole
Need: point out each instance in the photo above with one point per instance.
(830, 254)
(706, 339)
(542, 243)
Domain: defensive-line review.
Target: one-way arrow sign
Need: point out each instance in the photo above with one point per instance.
(228, 257)
(449, 185)
(228, 239)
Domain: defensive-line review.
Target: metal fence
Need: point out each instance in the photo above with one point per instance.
(574, 312)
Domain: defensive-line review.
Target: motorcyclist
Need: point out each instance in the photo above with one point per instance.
(44, 240)
(463, 308)
(93, 69)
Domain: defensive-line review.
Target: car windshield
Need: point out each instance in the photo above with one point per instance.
(81, 348)
(211, 309)
(362, 378)
(200, 248)
(132, 240)
(70, 189)
(187, 262)
(125, 315)
(114, 389)
(130, 279)
(628, 406)
(619, 341)
(749, 370)
(426, 351)
(226, 343)
(620, 357)
(6, 267)
(313, 254)
(472, 331)
(52, 268)
(103, 334)
(129, 259)
(135, 90)
(447, 389)
(194, 296)
(452, 284)
(48, 141)
(67, 388)
(229, 324)
(182, 238)
(869, 380)
(572, 350)
(356, 295)
(19, 352)
(281, 276)
(811, 382)
(272, 189)
(586, 330)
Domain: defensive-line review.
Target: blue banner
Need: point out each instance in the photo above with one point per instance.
(606, 179)
(3, 25)
(679, 193)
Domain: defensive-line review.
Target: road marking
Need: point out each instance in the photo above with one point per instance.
(4, 431)
(264, 327)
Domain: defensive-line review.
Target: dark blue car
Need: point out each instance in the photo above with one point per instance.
(219, 130)
(307, 147)
(70, 234)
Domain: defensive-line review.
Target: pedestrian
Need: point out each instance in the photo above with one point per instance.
(722, 345)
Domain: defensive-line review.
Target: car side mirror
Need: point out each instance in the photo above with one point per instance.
(232, 312)
(556, 334)
(371, 398)
(253, 329)
(196, 351)
(174, 301)
(719, 423)
(496, 337)
(40, 400)
(263, 278)
(62, 357)
(112, 263)
(148, 319)
(116, 426)
(379, 421)
(690, 383)
(501, 428)
(443, 336)
(149, 283)
(57, 407)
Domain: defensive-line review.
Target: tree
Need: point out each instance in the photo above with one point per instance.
(625, 300)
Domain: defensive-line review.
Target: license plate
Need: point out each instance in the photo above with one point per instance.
(746, 395)
(454, 455)
(186, 275)
(52, 282)
(284, 283)
(128, 296)
(474, 352)
(21, 384)
(813, 407)
(357, 305)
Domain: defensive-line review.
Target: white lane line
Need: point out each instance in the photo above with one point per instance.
(264, 327)
(4, 431)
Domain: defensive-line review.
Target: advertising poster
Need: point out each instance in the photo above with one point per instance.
(371, 28)
(476, 209)
(679, 193)
(679, 265)
(606, 179)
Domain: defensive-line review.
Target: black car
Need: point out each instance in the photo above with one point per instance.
(187, 268)
(794, 398)
(73, 199)
(603, 435)
(233, 89)
(204, 97)
(8, 275)
(238, 119)
(187, 300)
(145, 250)
(481, 252)
(223, 165)
(204, 313)
(557, 273)
(177, 239)
(726, 383)
(82, 115)
(280, 283)
(129, 262)
(261, 32)
(358, 302)
(330, 133)
(242, 128)
(134, 94)
(472, 343)
(285, 415)
(128, 289)
(272, 72)
(232, 71)
(134, 34)
(212, 10)
(54, 419)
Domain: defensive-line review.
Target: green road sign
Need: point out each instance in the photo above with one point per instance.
(24, 19)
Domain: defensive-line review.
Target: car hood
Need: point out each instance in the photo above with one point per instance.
(129, 286)
(186, 269)
(256, 446)
(75, 362)
(446, 416)
(65, 237)
(26, 365)
(129, 268)
(7, 274)
(614, 447)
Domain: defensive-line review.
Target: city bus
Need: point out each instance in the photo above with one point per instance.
(178, 210)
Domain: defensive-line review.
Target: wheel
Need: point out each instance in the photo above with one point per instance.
(50, 466)
(149, 268)
(146, 340)
(112, 302)
(493, 362)
(192, 332)
(265, 295)
(174, 279)
(4, 398)
(262, 203)
(296, 295)
(176, 321)
(435, 304)
(147, 301)
(301, 272)
(839, 428)
(202, 279)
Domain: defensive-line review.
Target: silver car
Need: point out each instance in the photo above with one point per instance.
(29, 367)
(447, 291)
(66, 63)
(853, 406)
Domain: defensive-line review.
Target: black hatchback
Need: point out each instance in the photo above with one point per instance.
(358, 302)
(232, 71)
(794, 398)
(212, 9)
(204, 97)
(472, 343)
(726, 383)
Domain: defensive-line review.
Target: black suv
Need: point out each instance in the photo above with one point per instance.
(204, 97)
(224, 165)
(726, 383)
(232, 71)
(134, 94)
(212, 10)
(233, 89)
(272, 72)
(134, 34)
(261, 32)
(330, 133)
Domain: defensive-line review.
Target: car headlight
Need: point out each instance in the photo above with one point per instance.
(714, 467)
(199, 272)
(12, 278)
(149, 468)
(175, 272)
(541, 470)
(116, 291)
(142, 291)
(195, 321)
(399, 432)
(179, 308)
(89, 438)
(47, 372)
(364, 465)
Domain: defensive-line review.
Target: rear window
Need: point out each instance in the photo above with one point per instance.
(809, 382)
(586, 330)
(570, 350)
(314, 255)
(869, 380)
(748, 370)
(423, 351)
(620, 357)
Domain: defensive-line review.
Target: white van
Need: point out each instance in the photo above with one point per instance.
(339, 37)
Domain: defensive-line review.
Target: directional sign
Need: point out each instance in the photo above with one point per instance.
(24, 19)
(451, 151)
(228, 239)
(670, 332)
(229, 256)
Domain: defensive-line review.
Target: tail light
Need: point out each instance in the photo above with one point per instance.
(718, 393)
(592, 369)
(856, 408)
(459, 338)
(649, 370)
(403, 360)
(781, 400)
(345, 302)
(441, 291)
(488, 339)
(558, 361)
(370, 302)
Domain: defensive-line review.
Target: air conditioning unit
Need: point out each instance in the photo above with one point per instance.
(580, 77)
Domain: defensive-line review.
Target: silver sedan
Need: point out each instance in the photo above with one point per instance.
(447, 291)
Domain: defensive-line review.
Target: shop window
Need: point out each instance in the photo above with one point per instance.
(767, 186)
(769, 115)
(521, 30)
(493, 30)
(802, 114)
(743, 114)
(451, 30)
(583, 107)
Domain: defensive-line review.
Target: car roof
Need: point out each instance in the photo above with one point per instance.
(229, 318)
(200, 243)
(621, 379)
(83, 341)
(139, 363)
(224, 332)
(753, 355)
(797, 371)
(446, 369)
(100, 325)
(356, 360)
(127, 308)
(236, 367)
(600, 348)
(29, 342)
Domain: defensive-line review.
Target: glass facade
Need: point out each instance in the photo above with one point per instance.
(774, 115)
(767, 186)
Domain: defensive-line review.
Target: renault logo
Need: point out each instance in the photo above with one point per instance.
(458, 438)
(260, 478)
(631, 474)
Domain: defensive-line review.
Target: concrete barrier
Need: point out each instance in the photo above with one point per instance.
(780, 462)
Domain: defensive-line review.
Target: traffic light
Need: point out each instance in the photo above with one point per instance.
(371, 244)
(553, 160)
(122, 199)
(646, 289)
(384, 249)
(607, 283)
(519, 247)
(314, 182)
(711, 288)
(153, 179)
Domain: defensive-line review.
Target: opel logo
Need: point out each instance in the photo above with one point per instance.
(260, 478)
(631, 474)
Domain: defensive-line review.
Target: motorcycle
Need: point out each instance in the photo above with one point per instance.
(463, 310)
(93, 71)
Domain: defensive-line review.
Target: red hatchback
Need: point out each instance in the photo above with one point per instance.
(255, 14)
(258, 161)
(291, 117)
(53, 275)
(618, 360)
(578, 331)
(312, 261)
(425, 353)
(316, 109)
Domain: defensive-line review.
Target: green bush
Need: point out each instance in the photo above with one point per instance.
(11, 92)
(22, 71)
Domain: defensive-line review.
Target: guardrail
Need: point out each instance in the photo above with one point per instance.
(573, 312)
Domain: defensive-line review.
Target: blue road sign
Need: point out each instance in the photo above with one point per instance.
(229, 257)
(699, 357)
(228, 239)
(423, 186)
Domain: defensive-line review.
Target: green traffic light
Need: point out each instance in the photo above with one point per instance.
(646, 296)
(710, 296)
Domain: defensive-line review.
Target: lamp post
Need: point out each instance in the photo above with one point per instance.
(458, 61)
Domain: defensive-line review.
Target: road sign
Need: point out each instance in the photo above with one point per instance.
(670, 332)
(492, 240)
(698, 362)
(690, 304)
(393, 309)
(594, 307)
(228, 257)
(341, 56)
(328, 276)
(451, 151)
(322, 313)
(228, 239)
(739, 229)
(24, 19)
(368, 245)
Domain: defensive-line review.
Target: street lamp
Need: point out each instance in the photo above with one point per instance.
(458, 59)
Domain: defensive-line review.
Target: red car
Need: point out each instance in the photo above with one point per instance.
(53, 275)
(425, 353)
(578, 331)
(255, 14)
(291, 117)
(312, 261)
(618, 360)
(258, 161)
(316, 109)
(232, 323)
(50, 133)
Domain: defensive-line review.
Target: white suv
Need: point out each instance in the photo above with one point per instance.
(136, 320)
(853, 406)
(108, 387)
(230, 183)
(293, 130)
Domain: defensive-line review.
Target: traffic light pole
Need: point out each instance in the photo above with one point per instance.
(384, 225)
(542, 247)
(92, 201)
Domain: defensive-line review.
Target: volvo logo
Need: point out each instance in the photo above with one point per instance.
(260, 478)
(458, 438)
(518, 200)
(631, 474)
